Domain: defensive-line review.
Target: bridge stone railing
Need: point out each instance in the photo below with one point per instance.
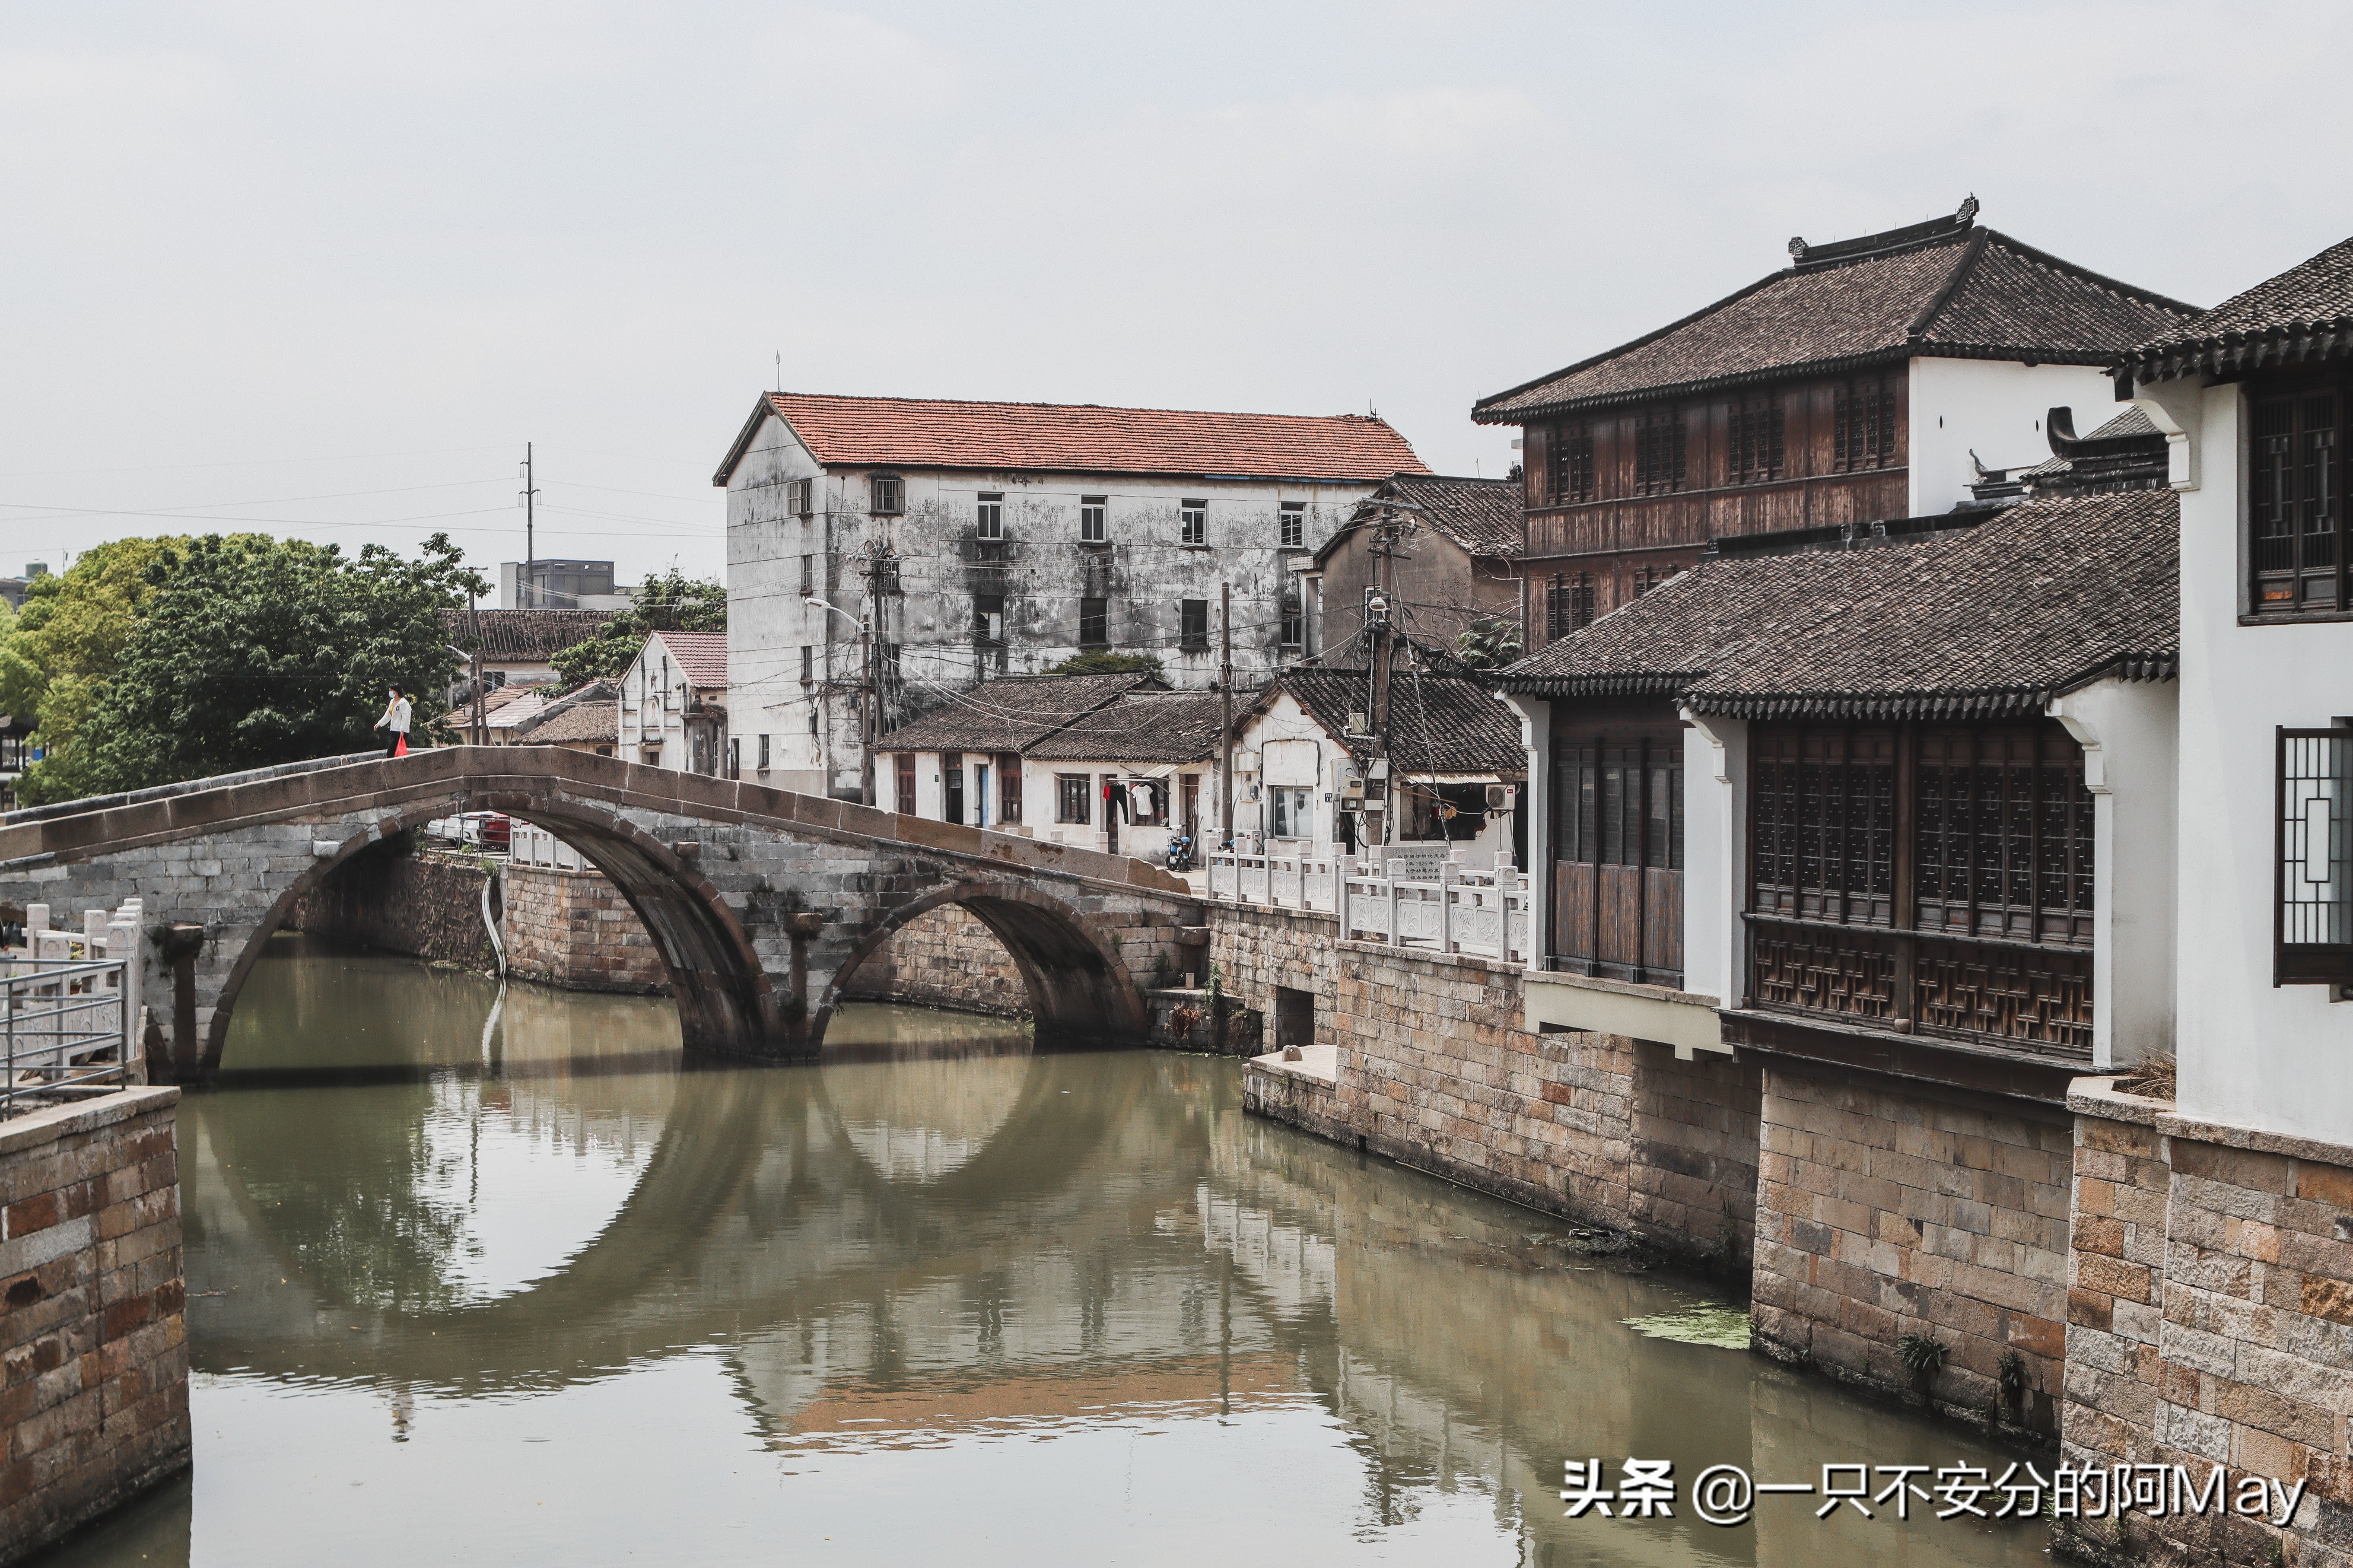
(1418, 897)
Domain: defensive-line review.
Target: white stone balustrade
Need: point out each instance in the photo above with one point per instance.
(1414, 896)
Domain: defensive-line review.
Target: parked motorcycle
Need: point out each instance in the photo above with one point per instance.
(1180, 852)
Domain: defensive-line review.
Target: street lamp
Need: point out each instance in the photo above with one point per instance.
(866, 706)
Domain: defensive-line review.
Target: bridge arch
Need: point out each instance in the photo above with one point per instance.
(1081, 991)
(724, 999)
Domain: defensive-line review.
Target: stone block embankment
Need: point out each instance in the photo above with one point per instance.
(573, 929)
(425, 905)
(94, 1339)
(943, 958)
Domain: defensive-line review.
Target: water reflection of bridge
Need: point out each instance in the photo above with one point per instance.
(979, 1240)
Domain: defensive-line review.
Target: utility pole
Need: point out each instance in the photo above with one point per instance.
(474, 614)
(870, 709)
(1226, 707)
(530, 520)
(1377, 610)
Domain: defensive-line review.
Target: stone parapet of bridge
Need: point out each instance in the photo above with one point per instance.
(762, 901)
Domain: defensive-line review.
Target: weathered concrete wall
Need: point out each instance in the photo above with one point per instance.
(574, 929)
(93, 1343)
(1887, 1209)
(945, 958)
(2211, 1319)
(426, 905)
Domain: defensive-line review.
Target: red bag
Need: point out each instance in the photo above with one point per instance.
(400, 745)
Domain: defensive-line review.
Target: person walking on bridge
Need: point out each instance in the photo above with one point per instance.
(395, 720)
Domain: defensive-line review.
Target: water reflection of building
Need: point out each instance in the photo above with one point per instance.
(941, 1250)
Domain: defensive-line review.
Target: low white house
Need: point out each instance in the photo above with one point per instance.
(673, 704)
(1311, 775)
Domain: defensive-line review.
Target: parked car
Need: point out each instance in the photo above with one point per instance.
(490, 831)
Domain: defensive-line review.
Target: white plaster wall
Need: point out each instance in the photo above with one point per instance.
(1715, 857)
(1535, 796)
(1995, 407)
(2129, 730)
(2277, 1059)
(1151, 574)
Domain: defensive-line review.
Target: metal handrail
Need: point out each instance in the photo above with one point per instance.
(69, 1027)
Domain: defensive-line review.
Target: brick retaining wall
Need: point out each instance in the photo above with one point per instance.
(93, 1341)
(1891, 1209)
(2210, 1321)
(425, 905)
(574, 929)
(943, 958)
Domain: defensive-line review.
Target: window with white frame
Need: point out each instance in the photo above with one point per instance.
(1290, 812)
(992, 515)
(1094, 519)
(1193, 524)
(1293, 528)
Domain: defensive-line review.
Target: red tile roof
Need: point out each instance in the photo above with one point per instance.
(700, 657)
(1080, 437)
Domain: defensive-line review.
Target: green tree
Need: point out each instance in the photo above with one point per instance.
(672, 602)
(1489, 643)
(255, 651)
(58, 658)
(1111, 664)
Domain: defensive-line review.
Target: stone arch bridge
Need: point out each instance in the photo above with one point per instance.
(762, 901)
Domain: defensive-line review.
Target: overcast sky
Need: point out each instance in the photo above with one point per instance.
(331, 266)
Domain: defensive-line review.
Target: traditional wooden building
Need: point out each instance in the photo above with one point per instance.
(1916, 792)
(1445, 548)
(1871, 379)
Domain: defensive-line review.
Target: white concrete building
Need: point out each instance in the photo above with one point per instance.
(2253, 398)
(674, 703)
(985, 540)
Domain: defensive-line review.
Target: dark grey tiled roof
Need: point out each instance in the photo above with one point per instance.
(1009, 715)
(1437, 723)
(1482, 516)
(589, 712)
(2304, 313)
(1141, 727)
(2132, 425)
(535, 635)
(1943, 288)
(1988, 622)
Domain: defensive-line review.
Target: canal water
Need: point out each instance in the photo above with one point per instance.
(497, 1276)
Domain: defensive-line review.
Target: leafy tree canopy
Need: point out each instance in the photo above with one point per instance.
(65, 643)
(672, 602)
(1111, 664)
(253, 651)
(1489, 643)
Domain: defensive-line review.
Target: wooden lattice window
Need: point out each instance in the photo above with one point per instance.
(1754, 449)
(1823, 824)
(1572, 464)
(1569, 604)
(2313, 934)
(1863, 424)
(2296, 510)
(2004, 834)
(1659, 451)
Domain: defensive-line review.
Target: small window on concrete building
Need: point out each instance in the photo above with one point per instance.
(1193, 624)
(1192, 523)
(803, 497)
(992, 515)
(886, 495)
(1094, 519)
(1293, 532)
(988, 619)
(906, 783)
(808, 662)
(1293, 632)
(2313, 934)
(764, 754)
(1094, 623)
(809, 574)
(1072, 794)
(1290, 812)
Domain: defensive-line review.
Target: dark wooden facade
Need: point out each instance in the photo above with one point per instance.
(1617, 832)
(2297, 528)
(1623, 498)
(1934, 880)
